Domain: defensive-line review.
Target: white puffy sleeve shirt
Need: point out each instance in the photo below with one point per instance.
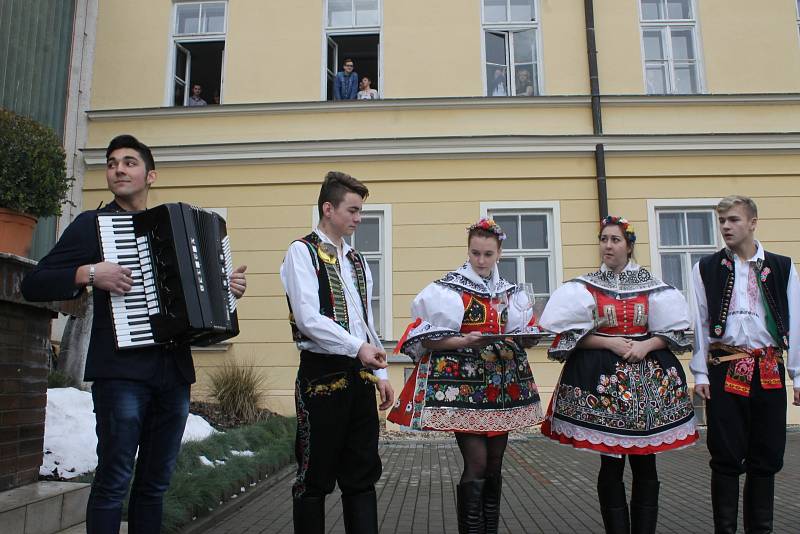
(571, 313)
(436, 313)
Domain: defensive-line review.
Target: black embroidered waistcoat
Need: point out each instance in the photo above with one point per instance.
(772, 274)
(332, 301)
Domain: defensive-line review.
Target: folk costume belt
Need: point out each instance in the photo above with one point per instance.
(742, 365)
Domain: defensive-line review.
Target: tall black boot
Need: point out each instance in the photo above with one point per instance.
(360, 513)
(614, 507)
(492, 490)
(725, 502)
(644, 506)
(309, 515)
(759, 497)
(470, 507)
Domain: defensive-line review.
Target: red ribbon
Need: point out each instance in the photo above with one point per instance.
(403, 338)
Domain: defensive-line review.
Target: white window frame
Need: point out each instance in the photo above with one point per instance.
(386, 275)
(333, 31)
(510, 27)
(797, 9)
(552, 209)
(694, 25)
(176, 38)
(654, 206)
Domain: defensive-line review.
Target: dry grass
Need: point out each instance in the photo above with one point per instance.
(237, 389)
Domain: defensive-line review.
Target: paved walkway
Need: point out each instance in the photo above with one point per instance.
(547, 488)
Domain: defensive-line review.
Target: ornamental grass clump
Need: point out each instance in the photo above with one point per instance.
(237, 389)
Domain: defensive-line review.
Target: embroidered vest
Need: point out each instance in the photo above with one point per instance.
(332, 301)
(481, 316)
(620, 316)
(772, 276)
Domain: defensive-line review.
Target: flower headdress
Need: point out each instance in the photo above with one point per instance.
(622, 222)
(490, 226)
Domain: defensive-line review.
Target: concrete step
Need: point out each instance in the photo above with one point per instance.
(43, 507)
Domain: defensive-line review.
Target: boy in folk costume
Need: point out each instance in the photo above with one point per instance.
(329, 288)
(747, 302)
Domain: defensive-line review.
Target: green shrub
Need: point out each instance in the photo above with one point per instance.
(237, 389)
(33, 178)
(195, 488)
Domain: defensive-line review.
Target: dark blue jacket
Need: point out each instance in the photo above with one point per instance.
(345, 87)
(54, 279)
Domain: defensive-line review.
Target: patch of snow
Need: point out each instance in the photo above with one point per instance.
(70, 442)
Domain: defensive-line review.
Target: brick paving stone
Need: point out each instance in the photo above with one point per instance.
(548, 488)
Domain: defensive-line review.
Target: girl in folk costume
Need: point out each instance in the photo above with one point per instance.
(622, 391)
(465, 381)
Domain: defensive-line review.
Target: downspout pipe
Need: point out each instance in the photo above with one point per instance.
(597, 115)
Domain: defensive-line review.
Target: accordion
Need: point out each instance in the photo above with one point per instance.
(181, 261)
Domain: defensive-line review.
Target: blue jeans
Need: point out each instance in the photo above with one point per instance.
(131, 415)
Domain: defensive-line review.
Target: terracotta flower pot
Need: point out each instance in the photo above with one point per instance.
(16, 232)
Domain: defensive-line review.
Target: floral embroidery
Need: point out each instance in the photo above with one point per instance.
(637, 397)
(727, 263)
(472, 389)
(303, 443)
(316, 390)
(764, 273)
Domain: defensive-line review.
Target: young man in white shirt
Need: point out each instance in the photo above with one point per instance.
(329, 288)
(747, 301)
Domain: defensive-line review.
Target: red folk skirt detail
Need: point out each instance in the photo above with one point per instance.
(607, 405)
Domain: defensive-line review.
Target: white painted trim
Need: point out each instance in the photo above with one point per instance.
(654, 204)
(387, 276)
(388, 267)
(477, 147)
(698, 42)
(447, 103)
(539, 50)
(81, 65)
(553, 207)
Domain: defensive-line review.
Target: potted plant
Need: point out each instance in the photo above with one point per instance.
(33, 179)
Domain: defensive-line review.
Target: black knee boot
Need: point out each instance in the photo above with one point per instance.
(644, 506)
(360, 513)
(470, 507)
(614, 507)
(492, 490)
(309, 515)
(725, 502)
(759, 496)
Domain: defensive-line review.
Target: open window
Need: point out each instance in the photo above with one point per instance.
(352, 31)
(199, 52)
(362, 49)
(511, 51)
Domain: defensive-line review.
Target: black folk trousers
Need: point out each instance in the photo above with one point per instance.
(337, 427)
(746, 434)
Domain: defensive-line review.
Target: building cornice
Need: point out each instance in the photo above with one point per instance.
(463, 148)
(410, 104)
(348, 106)
(768, 99)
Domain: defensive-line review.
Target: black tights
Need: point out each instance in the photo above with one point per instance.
(643, 467)
(483, 455)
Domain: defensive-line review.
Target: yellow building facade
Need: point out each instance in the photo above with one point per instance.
(695, 100)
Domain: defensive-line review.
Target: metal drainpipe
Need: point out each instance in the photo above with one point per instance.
(597, 116)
